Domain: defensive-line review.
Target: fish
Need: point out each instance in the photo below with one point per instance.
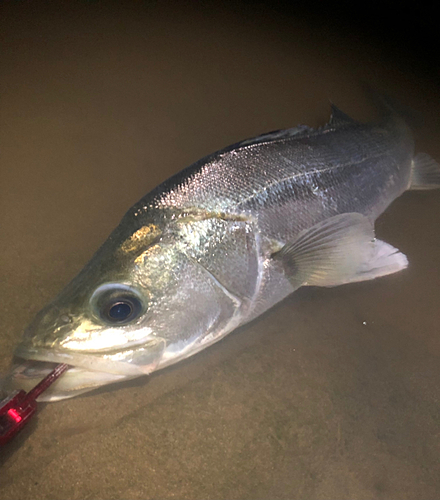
(218, 244)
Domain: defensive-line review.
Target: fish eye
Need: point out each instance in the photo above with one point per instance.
(117, 304)
(120, 311)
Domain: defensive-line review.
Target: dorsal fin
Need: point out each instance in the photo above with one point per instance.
(273, 136)
(338, 117)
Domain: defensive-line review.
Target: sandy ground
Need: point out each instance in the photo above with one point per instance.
(334, 393)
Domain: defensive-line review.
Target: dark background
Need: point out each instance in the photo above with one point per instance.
(406, 31)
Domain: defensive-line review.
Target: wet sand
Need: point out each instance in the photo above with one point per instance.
(332, 394)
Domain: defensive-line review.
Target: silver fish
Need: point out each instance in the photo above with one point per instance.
(219, 243)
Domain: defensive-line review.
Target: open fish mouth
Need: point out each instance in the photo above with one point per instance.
(86, 373)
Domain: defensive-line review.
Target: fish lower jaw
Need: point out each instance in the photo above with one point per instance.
(84, 375)
(89, 362)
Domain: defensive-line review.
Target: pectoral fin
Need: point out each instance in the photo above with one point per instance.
(339, 250)
(425, 172)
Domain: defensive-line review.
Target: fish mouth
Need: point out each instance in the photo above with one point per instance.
(25, 374)
(86, 372)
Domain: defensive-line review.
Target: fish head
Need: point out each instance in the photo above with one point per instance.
(138, 305)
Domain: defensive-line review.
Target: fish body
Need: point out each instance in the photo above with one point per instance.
(216, 245)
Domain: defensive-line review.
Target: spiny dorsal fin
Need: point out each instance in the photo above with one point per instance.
(273, 136)
(338, 117)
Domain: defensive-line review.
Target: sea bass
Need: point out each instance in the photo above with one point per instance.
(222, 241)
